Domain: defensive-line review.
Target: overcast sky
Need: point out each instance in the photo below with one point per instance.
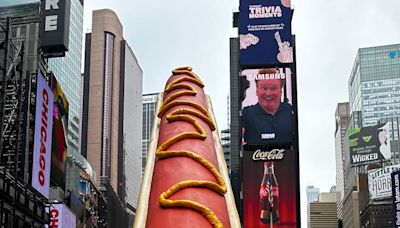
(168, 34)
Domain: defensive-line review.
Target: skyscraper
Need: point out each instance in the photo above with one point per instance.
(374, 92)
(67, 71)
(342, 116)
(374, 84)
(312, 196)
(323, 211)
(103, 136)
(131, 75)
(149, 109)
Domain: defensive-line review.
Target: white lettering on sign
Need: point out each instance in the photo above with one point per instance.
(258, 11)
(52, 4)
(50, 23)
(364, 158)
(275, 154)
(54, 218)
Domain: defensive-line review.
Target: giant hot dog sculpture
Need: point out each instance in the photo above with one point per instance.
(185, 183)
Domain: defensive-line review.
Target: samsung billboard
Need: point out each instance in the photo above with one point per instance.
(54, 27)
(267, 106)
(370, 144)
(42, 137)
(265, 32)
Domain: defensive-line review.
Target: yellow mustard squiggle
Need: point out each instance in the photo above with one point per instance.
(184, 114)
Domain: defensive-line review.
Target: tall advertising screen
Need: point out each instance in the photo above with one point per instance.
(61, 216)
(269, 188)
(370, 143)
(60, 127)
(267, 106)
(396, 198)
(379, 182)
(42, 137)
(265, 32)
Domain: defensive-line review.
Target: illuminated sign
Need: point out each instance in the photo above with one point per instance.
(54, 27)
(393, 54)
(267, 113)
(61, 217)
(265, 32)
(270, 189)
(379, 182)
(42, 137)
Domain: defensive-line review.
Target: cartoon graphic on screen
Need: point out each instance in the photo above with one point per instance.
(285, 54)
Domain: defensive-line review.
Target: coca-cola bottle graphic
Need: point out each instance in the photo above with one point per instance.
(269, 195)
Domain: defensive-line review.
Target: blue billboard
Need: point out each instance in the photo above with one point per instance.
(265, 32)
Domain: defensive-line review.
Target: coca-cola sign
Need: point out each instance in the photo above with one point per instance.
(274, 154)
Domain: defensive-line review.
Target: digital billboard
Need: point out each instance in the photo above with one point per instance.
(267, 106)
(60, 127)
(61, 216)
(379, 181)
(269, 188)
(265, 32)
(395, 177)
(369, 143)
(42, 137)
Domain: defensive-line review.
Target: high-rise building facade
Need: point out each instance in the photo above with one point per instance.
(132, 76)
(67, 71)
(312, 196)
(149, 109)
(374, 84)
(342, 116)
(323, 211)
(235, 124)
(103, 136)
(226, 147)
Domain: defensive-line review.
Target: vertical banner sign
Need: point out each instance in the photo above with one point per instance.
(269, 188)
(60, 127)
(396, 198)
(42, 137)
(265, 32)
(61, 217)
(54, 27)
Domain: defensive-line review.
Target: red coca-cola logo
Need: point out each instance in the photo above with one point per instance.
(43, 137)
(275, 154)
(275, 191)
(264, 191)
(54, 218)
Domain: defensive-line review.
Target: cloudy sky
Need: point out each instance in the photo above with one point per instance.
(168, 34)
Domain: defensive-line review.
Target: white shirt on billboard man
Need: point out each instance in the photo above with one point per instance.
(384, 140)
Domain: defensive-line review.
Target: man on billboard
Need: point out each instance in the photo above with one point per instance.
(270, 120)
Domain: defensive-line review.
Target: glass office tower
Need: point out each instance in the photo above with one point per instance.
(67, 71)
(149, 108)
(374, 84)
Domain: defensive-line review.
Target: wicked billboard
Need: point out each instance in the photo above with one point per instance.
(369, 143)
(269, 188)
